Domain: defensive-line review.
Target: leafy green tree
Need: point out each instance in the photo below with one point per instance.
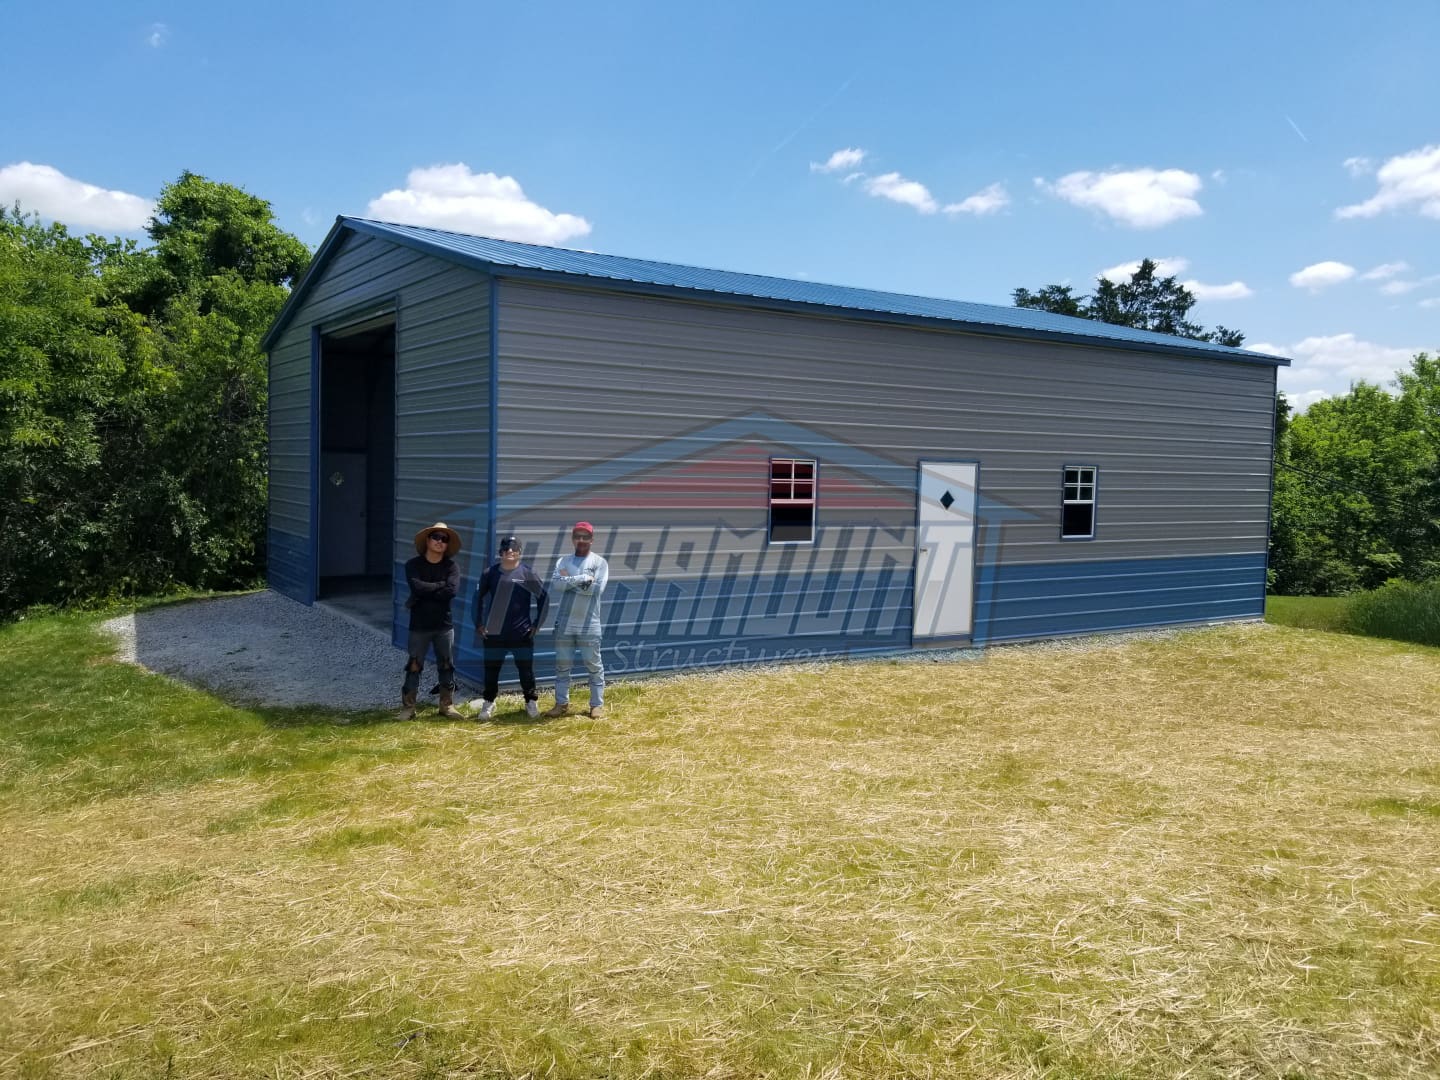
(218, 274)
(133, 398)
(76, 375)
(1356, 495)
(1145, 302)
(1059, 299)
(204, 234)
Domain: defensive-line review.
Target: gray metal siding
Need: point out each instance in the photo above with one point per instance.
(442, 406)
(588, 376)
(441, 401)
(288, 566)
(1182, 445)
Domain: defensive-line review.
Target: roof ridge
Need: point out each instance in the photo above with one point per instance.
(654, 277)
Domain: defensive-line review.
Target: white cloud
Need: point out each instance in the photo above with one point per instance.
(896, 188)
(1219, 176)
(1266, 348)
(1432, 302)
(1303, 399)
(1236, 290)
(1141, 198)
(1358, 166)
(1407, 181)
(158, 36)
(990, 200)
(1329, 365)
(1322, 275)
(1165, 267)
(1170, 267)
(452, 197)
(1400, 288)
(1385, 270)
(57, 197)
(840, 159)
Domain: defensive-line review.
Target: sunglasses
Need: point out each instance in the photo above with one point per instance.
(441, 537)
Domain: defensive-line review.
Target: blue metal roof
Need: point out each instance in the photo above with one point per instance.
(645, 275)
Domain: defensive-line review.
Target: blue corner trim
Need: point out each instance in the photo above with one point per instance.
(493, 466)
(312, 590)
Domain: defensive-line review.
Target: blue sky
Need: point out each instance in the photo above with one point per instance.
(1285, 156)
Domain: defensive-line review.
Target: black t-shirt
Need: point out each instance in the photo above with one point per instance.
(432, 587)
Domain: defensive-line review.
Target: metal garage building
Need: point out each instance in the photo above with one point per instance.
(775, 468)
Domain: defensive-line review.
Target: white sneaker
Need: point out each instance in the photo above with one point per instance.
(487, 710)
(532, 709)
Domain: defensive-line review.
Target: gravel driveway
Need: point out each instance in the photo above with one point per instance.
(266, 649)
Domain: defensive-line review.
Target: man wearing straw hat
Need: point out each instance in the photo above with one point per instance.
(434, 580)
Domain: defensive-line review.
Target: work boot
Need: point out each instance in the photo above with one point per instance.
(407, 706)
(447, 704)
(597, 712)
(560, 708)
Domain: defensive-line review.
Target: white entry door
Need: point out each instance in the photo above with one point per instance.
(945, 550)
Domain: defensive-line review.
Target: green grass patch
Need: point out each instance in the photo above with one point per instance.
(1400, 610)
(100, 729)
(1396, 807)
(1308, 612)
(112, 892)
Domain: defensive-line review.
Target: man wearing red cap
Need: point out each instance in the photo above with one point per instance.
(576, 586)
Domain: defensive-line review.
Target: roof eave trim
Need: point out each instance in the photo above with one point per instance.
(302, 287)
(500, 269)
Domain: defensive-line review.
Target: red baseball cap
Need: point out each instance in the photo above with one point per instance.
(583, 525)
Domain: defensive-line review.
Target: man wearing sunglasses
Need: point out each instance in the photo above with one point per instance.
(509, 608)
(434, 579)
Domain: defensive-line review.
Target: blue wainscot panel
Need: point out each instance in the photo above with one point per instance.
(287, 565)
(1057, 599)
(654, 625)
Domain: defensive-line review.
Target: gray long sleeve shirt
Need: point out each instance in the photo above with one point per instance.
(575, 589)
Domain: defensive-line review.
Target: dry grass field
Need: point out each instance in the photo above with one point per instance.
(1212, 854)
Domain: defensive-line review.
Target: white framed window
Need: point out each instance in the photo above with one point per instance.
(792, 500)
(1077, 502)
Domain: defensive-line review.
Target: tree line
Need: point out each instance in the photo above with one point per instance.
(133, 414)
(133, 398)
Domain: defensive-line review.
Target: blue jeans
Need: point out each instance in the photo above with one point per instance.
(588, 646)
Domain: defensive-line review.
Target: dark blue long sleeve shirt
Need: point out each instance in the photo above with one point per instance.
(506, 600)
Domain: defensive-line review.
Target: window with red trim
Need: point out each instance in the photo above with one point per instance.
(792, 501)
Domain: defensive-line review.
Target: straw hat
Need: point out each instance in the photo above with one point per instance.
(450, 548)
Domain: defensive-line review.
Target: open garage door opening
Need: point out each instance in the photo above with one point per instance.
(357, 469)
